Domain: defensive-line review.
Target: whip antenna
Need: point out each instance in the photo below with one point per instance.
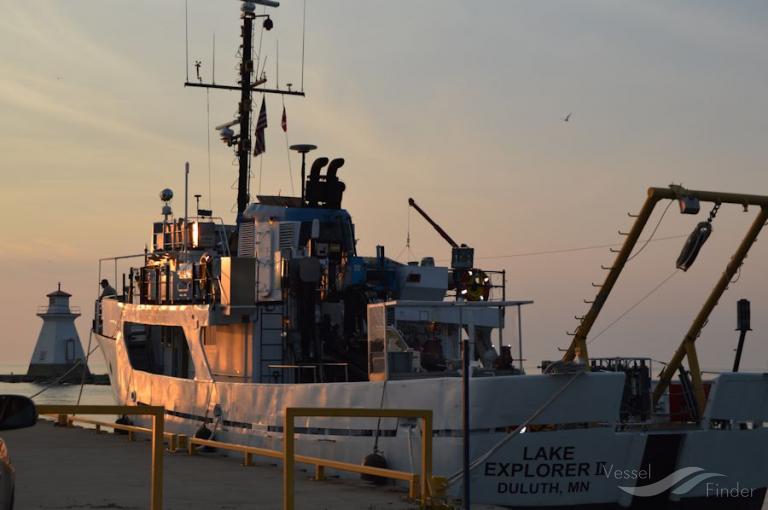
(186, 37)
(303, 36)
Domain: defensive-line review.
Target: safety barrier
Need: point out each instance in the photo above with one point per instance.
(425, 415)
(421, 486)
(158, 426)
(175, 441)
(249, 452)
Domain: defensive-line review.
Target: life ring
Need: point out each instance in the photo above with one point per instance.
(475, 285)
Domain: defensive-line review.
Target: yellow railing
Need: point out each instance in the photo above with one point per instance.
(421, 486)
(175, 441)
(158, 425)
(249, 452)
(290, 457)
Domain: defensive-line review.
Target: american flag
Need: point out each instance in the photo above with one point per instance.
(284, 121)
(259, 145)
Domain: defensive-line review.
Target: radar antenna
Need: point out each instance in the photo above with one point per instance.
(242, 141)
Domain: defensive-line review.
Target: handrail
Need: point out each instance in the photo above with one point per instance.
(57, 309)
(158, 425)
(289, 456)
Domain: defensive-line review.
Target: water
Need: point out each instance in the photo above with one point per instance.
(61, 394)
(58, 394)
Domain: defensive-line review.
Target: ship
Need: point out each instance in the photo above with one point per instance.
(226, 325)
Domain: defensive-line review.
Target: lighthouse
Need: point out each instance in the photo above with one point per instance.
(58, 347)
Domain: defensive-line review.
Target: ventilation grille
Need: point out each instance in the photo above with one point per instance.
(246, 241)
(288, 235)
(390, 315)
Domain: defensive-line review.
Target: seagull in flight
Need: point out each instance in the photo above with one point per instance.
(567, 118)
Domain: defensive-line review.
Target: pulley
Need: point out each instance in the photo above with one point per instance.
(696, 240)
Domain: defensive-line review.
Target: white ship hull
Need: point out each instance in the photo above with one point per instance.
(574, 453)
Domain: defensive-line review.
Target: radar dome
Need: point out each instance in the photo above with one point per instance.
(166, 195)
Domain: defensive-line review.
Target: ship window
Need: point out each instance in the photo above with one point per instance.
(158, 349)
(226, 348)
(377, 355)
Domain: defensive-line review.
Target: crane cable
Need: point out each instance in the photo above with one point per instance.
(653, 233)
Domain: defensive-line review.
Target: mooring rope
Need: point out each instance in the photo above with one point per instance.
(495, 448)
(82, 378)
(61, 378)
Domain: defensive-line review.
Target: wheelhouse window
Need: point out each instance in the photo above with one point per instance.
(158, 349)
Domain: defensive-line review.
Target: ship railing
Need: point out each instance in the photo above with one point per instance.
(115, 260)
(157, 430)
(56, 309)
(497, 286)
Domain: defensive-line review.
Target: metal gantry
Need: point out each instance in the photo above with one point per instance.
(578, 346)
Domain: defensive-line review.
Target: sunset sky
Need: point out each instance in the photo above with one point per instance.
(457, 104)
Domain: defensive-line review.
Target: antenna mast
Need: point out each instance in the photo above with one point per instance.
(244, 144)
(242, 140)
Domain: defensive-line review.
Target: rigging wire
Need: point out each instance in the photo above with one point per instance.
(258, 53)
(288, 153)
(282, 101)
(454, 478)
(407, 248)
(303, 36)
(208, 134)
(261, 168)
(653, 233)
(277, 63)
(213, 60)
(638, 303)
(408, 237)
(208, 129)
(575, 249)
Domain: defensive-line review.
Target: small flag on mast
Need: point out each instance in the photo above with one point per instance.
(284, 121)
(259, 143)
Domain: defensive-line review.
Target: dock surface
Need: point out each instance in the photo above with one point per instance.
(75, 468)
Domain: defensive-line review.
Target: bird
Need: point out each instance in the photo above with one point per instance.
(567, 118)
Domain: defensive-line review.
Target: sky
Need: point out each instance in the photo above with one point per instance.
(456, 104)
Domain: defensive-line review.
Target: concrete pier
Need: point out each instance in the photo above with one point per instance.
(75, 468)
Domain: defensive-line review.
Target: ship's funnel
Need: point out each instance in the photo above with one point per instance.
(318, 165)
(333, 168)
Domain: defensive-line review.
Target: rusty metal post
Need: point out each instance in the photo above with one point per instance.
(288, 460)
(426, 457)
(158, 426)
